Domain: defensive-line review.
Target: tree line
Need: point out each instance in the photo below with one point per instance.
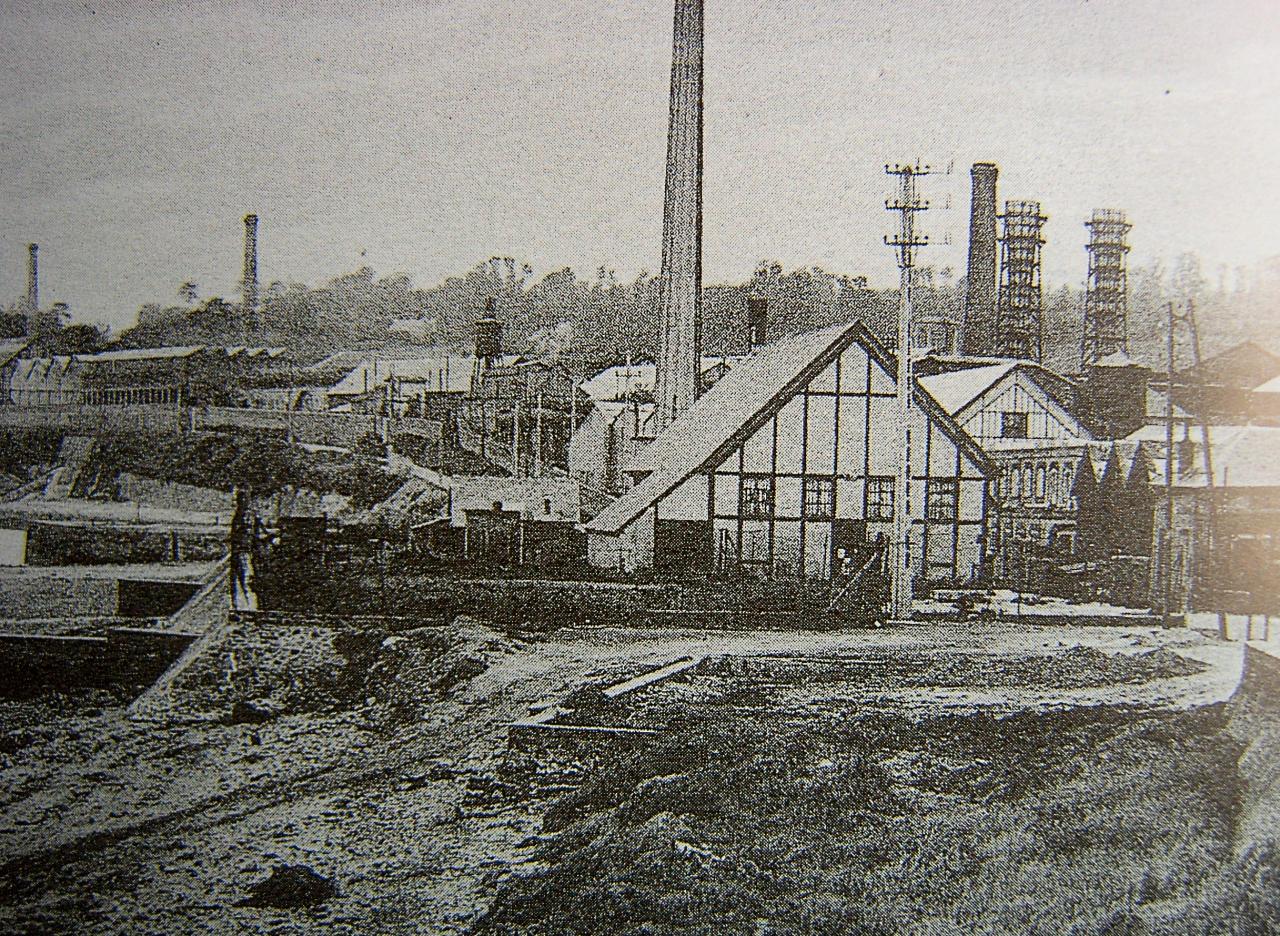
(588, 320)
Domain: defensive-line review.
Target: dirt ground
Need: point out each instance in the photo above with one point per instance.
(114, 826)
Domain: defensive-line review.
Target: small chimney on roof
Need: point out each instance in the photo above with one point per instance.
(757, 321)
(249, 282)
(489, 333)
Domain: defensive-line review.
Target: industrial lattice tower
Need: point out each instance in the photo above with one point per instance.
(1020, 312)
(1106, 298)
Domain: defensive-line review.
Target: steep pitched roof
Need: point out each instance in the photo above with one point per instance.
(11, 349)
(1243, 365)
(741, 401)
(957, 390)
(954, 390)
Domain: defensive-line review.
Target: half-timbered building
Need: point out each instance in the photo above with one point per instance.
(787, 467)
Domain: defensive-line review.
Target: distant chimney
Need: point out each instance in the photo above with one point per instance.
(757, 321)
(249, 282)
(979, 335)
(489, 334)
(33, 279)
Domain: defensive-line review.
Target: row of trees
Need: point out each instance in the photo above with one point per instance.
(598, 318)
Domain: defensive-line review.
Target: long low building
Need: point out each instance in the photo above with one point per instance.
(788, 465)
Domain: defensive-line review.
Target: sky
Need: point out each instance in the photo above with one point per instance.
(422, 137)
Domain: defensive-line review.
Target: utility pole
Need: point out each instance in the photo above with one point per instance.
(904, 242)
(537, 442)
(1166, 551)
(1210, 488)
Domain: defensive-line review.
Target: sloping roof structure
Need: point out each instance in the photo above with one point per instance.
(957, 382)
(739, 402)
(1243, 456)
(1243, 365)
(439, 373)
(956, 389)
(141, 354)
(622, 381)
(10, 350)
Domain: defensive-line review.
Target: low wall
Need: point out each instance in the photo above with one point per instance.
(1255, 722)
(126, 659)
(138, 598)
(82, 419)
(527, 604)
(342, 430)
(174, 495)
(56, 544)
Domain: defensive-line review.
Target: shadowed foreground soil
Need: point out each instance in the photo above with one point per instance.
(1087, 821)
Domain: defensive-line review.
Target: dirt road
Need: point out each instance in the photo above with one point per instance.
(114, 826)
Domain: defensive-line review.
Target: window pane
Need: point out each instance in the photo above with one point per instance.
(756, 496)
(879, 498)
(819, 498)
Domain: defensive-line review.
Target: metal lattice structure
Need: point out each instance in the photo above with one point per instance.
(1106, 298)
(1020, 311)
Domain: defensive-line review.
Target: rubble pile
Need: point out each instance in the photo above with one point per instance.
(290, 887)
(416, 668)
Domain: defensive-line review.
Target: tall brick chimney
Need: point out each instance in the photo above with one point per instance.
(979, 333)
(680, 341)
(249, 282)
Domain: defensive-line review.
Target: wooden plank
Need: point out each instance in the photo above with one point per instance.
(647, 679)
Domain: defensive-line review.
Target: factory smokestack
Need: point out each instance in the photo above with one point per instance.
(35, 323)
(33, 279)
(678, 379)
(249, 282)
(979, 333)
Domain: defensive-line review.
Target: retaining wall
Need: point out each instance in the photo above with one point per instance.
(126, 659)
(56, 544)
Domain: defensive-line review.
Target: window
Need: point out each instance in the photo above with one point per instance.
(879, 499)
(1040, 490)
(1013, 425)
(943, 495)
(819, 498)
(756, 496)
(1055, 486)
